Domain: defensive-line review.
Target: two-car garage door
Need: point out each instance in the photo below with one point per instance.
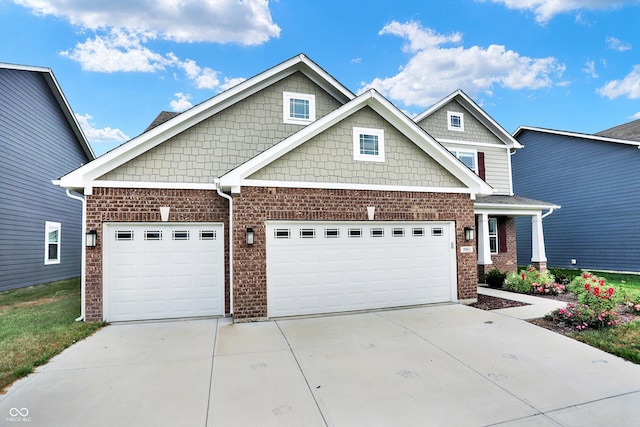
(159, 270)
(325, 267)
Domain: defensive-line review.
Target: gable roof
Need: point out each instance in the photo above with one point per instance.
(47, 73)
(477, 112)
(629, 131)
(160, 119)
(238, 177)
(81, 177)
(585, 136)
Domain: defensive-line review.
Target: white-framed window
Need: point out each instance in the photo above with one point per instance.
(368, 144)
(493, 235)
(468, 157)
(52, 242)
(455, 121)
(298, 108)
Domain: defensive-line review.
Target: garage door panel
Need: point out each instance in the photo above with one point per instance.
(388, 265)
(163, 271)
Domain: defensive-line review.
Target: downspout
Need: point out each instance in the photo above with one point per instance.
(547, 214)
(84, 255)
(230, 199)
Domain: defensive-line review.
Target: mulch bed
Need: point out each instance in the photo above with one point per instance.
(486, 302)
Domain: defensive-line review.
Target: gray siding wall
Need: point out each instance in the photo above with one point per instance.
(329, 158)
(231, 137)
(496, 159)
(598, 186)
(36, 146)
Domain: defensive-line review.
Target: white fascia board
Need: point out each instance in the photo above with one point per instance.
(496, 209)
(575, 135)
(435, 107)
(473, 143)
(153, 185)
(350, 186)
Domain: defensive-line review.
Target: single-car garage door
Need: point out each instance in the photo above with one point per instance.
(325, 267)
(160, 271)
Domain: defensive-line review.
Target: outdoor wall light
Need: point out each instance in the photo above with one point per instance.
(250, 236)
(91, 239)
(469, 233)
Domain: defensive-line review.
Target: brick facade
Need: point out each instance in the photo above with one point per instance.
(503, 261)
(142, 205)
(255, 205)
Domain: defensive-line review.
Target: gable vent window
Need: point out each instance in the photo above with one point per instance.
(307, 233)
(331, 233)
(417, 232)
(455, 121)
(298, 108)
(436, 232)
(52, 242)
(153, 235)
(398, 232)
(282, 233)
(207, 235)
(377, 232)
(355, 232)
(368, 144)
(124, 235)
(181, 235)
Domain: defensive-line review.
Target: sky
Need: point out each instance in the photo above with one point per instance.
(570, 65)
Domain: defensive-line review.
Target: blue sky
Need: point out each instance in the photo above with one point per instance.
(563, 64)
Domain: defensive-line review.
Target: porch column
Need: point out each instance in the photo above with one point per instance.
(538, 254)
(484, 249)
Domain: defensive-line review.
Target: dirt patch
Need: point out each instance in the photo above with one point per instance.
(486, 302)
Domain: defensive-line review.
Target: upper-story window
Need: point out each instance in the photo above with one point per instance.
(299, 108)
(455, 121)
(368, 144)
(468, 157)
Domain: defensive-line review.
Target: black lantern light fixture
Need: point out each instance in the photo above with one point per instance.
(91, 238)
(250, 236)
(469, 233)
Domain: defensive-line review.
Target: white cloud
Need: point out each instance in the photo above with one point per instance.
(435, 70)
(636, 116)
(181, 103)
(119, 50)
(93, 134)
(590, 69)
(629, 86)
(246, 22)
(205, 78)
(544, 10)
(619, 45)
(229, 83)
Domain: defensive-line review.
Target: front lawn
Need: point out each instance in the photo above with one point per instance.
(38, 322)
(622, 340)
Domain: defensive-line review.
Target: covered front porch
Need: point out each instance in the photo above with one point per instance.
(496, 231)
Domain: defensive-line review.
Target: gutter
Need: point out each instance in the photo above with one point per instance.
(549, 212)
(230, 237)
(83, 267)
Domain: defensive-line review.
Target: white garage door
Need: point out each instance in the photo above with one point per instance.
(325, 267)
(160, 271)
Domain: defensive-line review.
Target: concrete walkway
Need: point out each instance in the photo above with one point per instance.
(446, 365)
(538, 307)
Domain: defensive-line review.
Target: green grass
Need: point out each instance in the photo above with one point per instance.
(38, 322)
(622, 340)
(627, 286)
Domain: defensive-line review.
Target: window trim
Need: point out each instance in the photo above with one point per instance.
(456, 152)
(494, 236)
(48, 227)
(286, 112)
(451, 114)
(357, 132)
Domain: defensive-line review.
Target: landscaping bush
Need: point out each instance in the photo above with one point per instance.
(494, 278)
(582, 316)
(592, 290)
(531, 281)
(563, 276)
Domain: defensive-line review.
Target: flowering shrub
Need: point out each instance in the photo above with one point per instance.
(593, 291)
(632, 307)
(531, 281)
(581, 316)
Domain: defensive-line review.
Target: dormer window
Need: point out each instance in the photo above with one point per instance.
(455, 121)
(368, 144)
(298, 108)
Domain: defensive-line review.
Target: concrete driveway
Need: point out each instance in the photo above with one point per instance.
(447, 365)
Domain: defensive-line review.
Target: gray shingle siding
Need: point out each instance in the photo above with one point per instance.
(598, 186)
(36, 146)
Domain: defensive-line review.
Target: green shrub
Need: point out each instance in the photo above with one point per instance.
(531, 281)
(563, 276)
(495, 278)
(582, 316)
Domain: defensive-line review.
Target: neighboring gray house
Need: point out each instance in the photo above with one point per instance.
(596, 179)
(40, 140)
